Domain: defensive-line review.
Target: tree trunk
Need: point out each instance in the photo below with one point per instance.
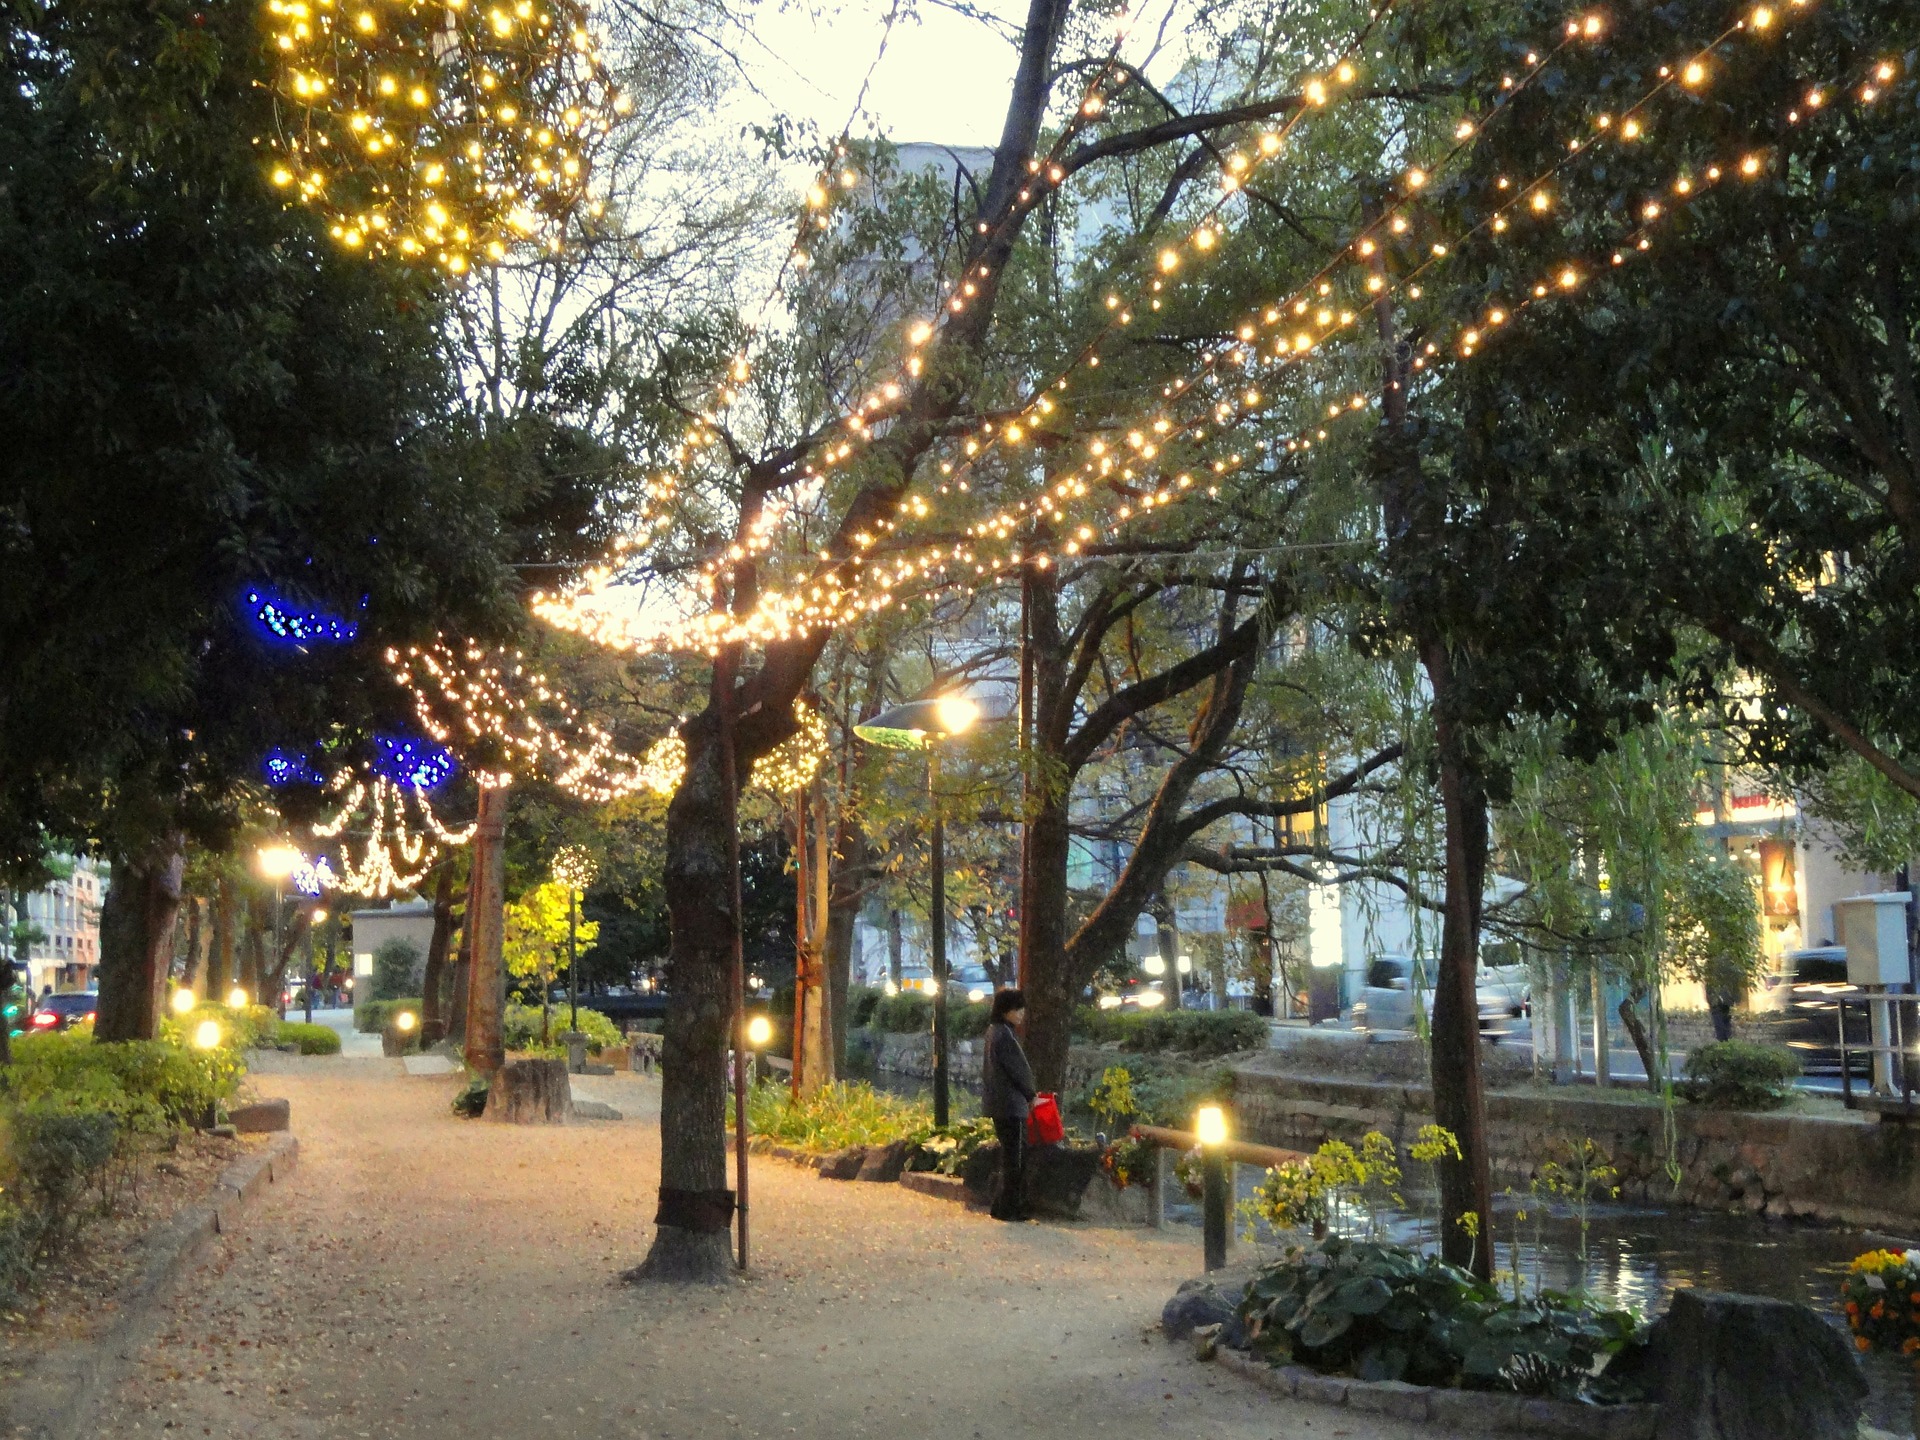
(486, 920)
(1047, 845)
(199, 935)
(530, 1092)
(459, 988)
(253, 953)
(813, 1040)
(1166, 934)
(433, 1012)
(852, 871)
(220, 968)
(696, 1207)
(136, 939)
(1459, 1099)
(894, 972)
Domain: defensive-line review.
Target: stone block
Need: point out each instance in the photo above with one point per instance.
(1741, 1367)
(261, 1117)
(1474, 1412)
(1390, 1397)
(941, 1187)
(843, 1164)
(1321, 1389)
(530, 1092)
(884, 1163)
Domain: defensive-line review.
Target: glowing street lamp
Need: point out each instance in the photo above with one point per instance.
(183, 1000)
(759, 1032)
(236, 998)
(206, 1035)
(277, 862)
(920, 725)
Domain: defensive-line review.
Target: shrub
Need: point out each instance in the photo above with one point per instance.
(371, 1017)
(1740, 1075)
(396, 968)
(1382, 1312)
(521, 1029)
(1195, 1032)
(144, 1084)
(835, 1116)
(968, 1021)
(860, 1002)
(946, 1151)
(59, 1152)
(1163, 1097)
(908, 1013)
(312, 1039)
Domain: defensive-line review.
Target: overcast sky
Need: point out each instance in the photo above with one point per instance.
(943, 77)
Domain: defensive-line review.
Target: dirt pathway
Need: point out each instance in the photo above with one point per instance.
(425, 1276)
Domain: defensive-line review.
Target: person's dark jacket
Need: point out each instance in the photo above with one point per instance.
(1006, 1083)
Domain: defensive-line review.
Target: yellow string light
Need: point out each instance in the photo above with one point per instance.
(448, 133)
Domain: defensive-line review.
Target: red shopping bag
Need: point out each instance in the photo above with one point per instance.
(1044, 1126)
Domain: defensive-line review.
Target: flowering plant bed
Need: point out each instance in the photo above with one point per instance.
(1882, 1294)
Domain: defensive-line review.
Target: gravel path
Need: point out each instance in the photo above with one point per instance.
(421, 1275)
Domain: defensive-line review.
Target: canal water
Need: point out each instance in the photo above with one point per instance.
(1636, 1255)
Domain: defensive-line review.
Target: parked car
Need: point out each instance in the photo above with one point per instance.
(971, 983)
(1798, 1006)
(1386, 1000)
(61, 1012)
(1503, 994)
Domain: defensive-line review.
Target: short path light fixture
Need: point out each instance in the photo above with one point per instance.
(1210, 1127)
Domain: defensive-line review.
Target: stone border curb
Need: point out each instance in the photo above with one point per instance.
(1457, 1412)
(56, 1398)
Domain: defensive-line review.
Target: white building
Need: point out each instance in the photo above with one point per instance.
(64, 920)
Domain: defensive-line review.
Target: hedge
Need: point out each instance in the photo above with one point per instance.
(370, 1017)
(312, 1039)
(1193, 1032)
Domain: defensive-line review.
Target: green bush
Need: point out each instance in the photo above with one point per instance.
(397, 965)
(371, 1017)
(968, 1021)
(908, 1013)
(1740, 1075)
(835, 1116)
(58, 1153)
(1381, 1312)
(312, 1039)
(860, 1002)
(1194, 1032)
(144, 1084)
(521, 1028)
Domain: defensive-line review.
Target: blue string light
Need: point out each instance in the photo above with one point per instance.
(415, 763)
(281, 768)
(284, 622)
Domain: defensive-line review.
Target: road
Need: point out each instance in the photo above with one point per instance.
(425, 1276)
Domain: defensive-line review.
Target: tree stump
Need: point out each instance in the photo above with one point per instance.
(530, 1092)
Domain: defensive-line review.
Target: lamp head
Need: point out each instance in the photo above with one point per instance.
(236, 998)
(206, 1035)
(759, 1031)
(277, 862)
(1210, 1124)
(183, 1001)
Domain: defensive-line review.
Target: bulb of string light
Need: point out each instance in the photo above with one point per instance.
(446, 133)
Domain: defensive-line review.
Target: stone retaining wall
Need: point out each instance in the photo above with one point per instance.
(1843, 1168)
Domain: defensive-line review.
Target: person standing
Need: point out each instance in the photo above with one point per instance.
(1006, 1095)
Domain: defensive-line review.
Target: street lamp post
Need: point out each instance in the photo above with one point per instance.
(916, 725)
(573, 867)
(277, 862)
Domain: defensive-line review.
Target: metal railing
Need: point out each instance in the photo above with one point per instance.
(1892, 1058)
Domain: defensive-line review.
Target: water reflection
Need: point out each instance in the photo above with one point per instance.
(1637, 1256)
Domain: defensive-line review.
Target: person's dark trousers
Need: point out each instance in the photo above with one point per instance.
(1011, 1202)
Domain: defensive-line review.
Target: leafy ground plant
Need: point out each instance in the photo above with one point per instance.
(1384, 1312)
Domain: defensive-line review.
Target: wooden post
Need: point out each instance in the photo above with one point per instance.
(1215, 1197)
(486, 921)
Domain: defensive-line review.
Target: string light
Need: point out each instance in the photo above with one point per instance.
(479, 698)
(574, 867)
(789, 766)
(446, 132)
(828, 600)
(284, 621)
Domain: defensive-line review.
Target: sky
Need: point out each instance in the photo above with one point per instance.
(943, 77)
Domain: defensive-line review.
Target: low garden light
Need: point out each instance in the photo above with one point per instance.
(759, 1032)
(405, 1021)
(1210, 1126)
(183, 1001)
(206, 1035)
(236, 998)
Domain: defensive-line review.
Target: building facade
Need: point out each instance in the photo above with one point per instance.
(62, 923)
